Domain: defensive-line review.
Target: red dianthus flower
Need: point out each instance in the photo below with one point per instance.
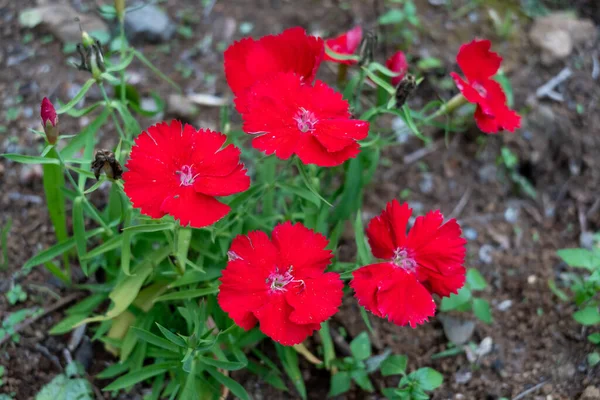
(249, 61)
(397, 63)
(176, 170)
(345, 44)
(312, 122)
(479, 64)
(428, 260)
(280, 283)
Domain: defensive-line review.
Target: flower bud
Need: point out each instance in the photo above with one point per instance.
(86, 39)
(49, 120)
(120, 8)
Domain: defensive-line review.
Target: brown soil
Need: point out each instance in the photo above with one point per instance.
(534, 341)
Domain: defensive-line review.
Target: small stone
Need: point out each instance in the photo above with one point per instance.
(488, 173)
(587, 239)
(181, 106)
(485, 253)
(485, 347)
(470, 233)
(566, 371)
(504, 305)
(511, 215)
(558, 33)
(426, 183)
(148, 24)
(531, 279)
(457, 331)
(590, 393)
(401, 130)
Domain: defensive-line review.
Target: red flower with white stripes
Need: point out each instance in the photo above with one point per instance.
(177, 170)
(289, 117)
(428, 260)
(345, 44)
(249, 61)
(280, 283)
(479, 64)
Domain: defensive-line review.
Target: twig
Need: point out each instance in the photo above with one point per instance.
(461, 204)
(422, 152)
(38, 347)
(530, 390)
(56, 306)
(340, 342)
(547, 90)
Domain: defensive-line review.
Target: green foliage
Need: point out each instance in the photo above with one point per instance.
(465, 301)
(67, 386)
(413, 385)
(511, 163)
(15, 295)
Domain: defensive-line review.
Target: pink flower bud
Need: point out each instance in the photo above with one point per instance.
(49, 120)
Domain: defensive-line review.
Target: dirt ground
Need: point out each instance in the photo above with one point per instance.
(513, 240)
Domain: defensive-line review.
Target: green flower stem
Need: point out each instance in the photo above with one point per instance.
(112, 113)
(448, 108)
(123, 49)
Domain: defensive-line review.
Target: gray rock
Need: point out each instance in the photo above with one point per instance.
(558, 33)
(470, 233)
(148, 24)
(590, 393)
(180, 106)
(457, 331)
(59, 19)
(463, 376)
(485, 253)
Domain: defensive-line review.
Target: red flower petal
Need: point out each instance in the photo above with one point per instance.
(346, 44)
(48, 113)
(194, 209)
(397, 63)
(301, 248)
(288, 115)
(257, 250)
(275, 322)
(316, 299)
(443, 285)
(168, 160)
(387, 231)
(404, 300)
(242, 291)
(366, 283)
(249, 61)
(476, 60)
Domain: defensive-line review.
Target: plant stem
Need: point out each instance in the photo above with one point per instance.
(123, 48)
(112, 113)
(456, 102)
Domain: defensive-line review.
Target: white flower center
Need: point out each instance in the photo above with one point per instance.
(186, 176)
(277, 281)
(403, 259)
(306, 120)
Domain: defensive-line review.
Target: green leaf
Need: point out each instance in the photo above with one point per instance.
(593, 359)
(184, 235)
(507, 87)
(393, 16)
(428, 378)
(394, 365)
(271, 376)
(327, 342)
(188, 294)
(88, 84)
(67, 324)
(157, 341)
(558, 292)
(173, 338)
(30, 17)
(138, 376)
(580, 258)
(475, 280)
(235, 388)
(594, 338)
(481, 309)
(223, 364)
(30, 159)
(301, 192)
(79, 233)
(84, 111)
(361, 378)
(385, 85)
(289, 360)
(363, 253)
(302, 169)
(588, 316)
(456, 300)
(111, 244)
(361, 346)
(340, 383)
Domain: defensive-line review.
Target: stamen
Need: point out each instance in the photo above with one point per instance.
(403, 259)
(277, 281)
(186, 176)
(306, 120)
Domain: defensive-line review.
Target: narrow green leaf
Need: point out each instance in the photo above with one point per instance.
(158, 72)
(223, 364)
(302, 169)
(289, 360)
(235, 388)
(187, 294)
(380, 82)
(173, 338)
(111, 244)
(138, 376)
(67, 324)
(79, 233)
(149, 227)
(558, 292)
(55, 270)
(184, 236)
(83, 111)
(30, 159)
(88, 84)
(327, 342)
(155, 340)
(272, 377)
(301, 192)
(362, 250)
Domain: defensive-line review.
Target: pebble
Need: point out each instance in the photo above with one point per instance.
(511, 215)
(531, 279)
(426, 183)
(463, 376)
(590, 393)
(457, 331)
(148, 24)
(470, 233)
(504, 305)
(485, 253)
(401, 130)
(30, 173)
(181, 106)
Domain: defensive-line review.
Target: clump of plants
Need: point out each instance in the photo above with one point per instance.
(212, 242)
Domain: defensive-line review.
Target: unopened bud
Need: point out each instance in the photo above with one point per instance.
(86, 39)
(404, 89)
(49, 120)
(120, 8)
(105, 161)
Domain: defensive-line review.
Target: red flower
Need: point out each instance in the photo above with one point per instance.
(397, 63)
(429, 259)
(479, 64)
(280, 283)
(49, 120)
(312, 122)
(249, 61)
(176, 170)
(345, 44)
